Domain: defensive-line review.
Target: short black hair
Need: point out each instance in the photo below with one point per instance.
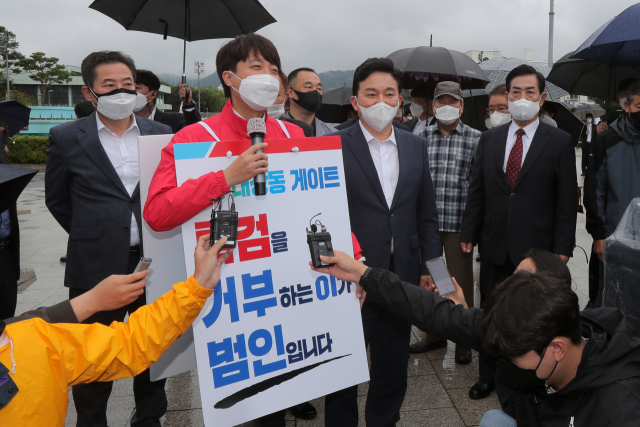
(294, 74)
(423, 91)
(499, 90)
(84, 109)
(239, 49)
(91, 62)
(633, 91)
(525, 70)
(147, 78)
(546, 262)
(589, 115)
(375, 65)
(526, 312)
(625, 84)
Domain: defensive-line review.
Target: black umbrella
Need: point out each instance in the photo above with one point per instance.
(14, 179)
(430, 65)
(14, 115)
(566, 120)
(476, 102)
(590, 78)
(189, 20)
(336, 104)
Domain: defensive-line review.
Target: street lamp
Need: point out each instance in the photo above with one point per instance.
(198, 69)
(50, 90)
(7, 39)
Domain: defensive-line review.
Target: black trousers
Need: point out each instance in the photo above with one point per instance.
(91, 399)
(490, 276)
(8, 285)
(387, 337)
(595, 269)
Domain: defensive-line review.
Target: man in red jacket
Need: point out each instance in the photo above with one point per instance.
(248, 68)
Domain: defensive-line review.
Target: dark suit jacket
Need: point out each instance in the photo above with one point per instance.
(583, 136)
(177, 121)
(14, 237)
(306, 127)
(412, 220)
(86, 196)
(538, 212)
(352, 121)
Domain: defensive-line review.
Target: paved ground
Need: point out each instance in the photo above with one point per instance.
(437, 394)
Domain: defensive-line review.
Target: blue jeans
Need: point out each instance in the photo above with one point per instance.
(497, 418)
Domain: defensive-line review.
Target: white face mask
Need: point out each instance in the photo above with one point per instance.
(258, 91)
(276, 110)
(487, 123)
(523, 109)
(498, 118)
(379, 115)
(416, 110)
(622, 101)
(589, 120)
(447, 114)
(141, 101)
(117, 104)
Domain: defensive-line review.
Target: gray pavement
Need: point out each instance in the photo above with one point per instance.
(438, 387)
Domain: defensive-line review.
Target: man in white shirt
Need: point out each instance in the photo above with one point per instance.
(92, 189)
(393, 215)
(421, 109)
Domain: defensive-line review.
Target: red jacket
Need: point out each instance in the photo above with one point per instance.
(169, 206)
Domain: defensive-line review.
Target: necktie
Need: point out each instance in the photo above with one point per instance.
(515, 159)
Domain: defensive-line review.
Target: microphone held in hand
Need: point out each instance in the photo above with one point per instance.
(257, 129)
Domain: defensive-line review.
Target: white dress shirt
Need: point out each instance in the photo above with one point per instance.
(153, 113)
(123, 153)
(419, 127)
(529, 133)
(589, 132)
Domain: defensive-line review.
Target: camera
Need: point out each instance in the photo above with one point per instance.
(224, 223)
(319, 243)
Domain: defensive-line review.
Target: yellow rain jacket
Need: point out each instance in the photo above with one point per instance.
(48, 358)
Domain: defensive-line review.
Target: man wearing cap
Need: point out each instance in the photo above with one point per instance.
(451, 146)
(522, 195)
(421, 109)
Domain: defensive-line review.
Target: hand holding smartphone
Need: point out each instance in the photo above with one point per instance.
(441, 277)
(143, 265)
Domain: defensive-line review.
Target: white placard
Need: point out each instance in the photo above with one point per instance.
(167, 268)
(257, 352)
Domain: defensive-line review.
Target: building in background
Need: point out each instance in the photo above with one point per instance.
(58, 102)
(481, 56)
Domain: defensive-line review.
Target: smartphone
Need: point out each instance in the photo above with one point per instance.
(143, 265)
(441, 276)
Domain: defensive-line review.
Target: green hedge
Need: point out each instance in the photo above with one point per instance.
(28, 149)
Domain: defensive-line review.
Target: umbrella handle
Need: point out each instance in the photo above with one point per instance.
(186, 95)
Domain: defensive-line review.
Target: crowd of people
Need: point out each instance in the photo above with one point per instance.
(417, 189)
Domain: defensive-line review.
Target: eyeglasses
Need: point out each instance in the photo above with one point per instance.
(501, 109)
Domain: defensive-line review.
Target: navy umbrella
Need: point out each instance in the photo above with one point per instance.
(14, 115)
(430, 65)
(14, 179)
(617, 42)
(189, 20)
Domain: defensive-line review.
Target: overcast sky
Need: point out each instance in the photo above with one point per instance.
(322, 34)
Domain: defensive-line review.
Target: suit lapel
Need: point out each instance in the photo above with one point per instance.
(501, 147)
(404, 158)
(158, 117)
(90, 143)
(360, 148)
(540, 140)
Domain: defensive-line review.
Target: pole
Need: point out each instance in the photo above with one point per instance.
(6, 63)
(551, 14)
(199, 108)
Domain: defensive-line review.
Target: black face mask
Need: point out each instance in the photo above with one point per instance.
(634, 118)
(523, 380)
(310, 101)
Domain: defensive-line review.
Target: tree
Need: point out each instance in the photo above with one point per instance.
(13, 56)
(44, 70)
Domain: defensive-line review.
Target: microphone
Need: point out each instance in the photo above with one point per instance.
(257, 129)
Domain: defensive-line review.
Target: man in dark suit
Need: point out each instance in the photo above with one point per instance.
(421, 109)
(394, 217)
(589, 132)
(148, 84)
(522, 194)
(92, 189)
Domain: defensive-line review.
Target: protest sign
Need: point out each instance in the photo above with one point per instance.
(275, 333)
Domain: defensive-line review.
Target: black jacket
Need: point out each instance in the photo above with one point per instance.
(14, 237)
(605, 391)
(176, 121)
(538, 212)
(414, 121)
(583, 136)
(412, 220)
(352, 121)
